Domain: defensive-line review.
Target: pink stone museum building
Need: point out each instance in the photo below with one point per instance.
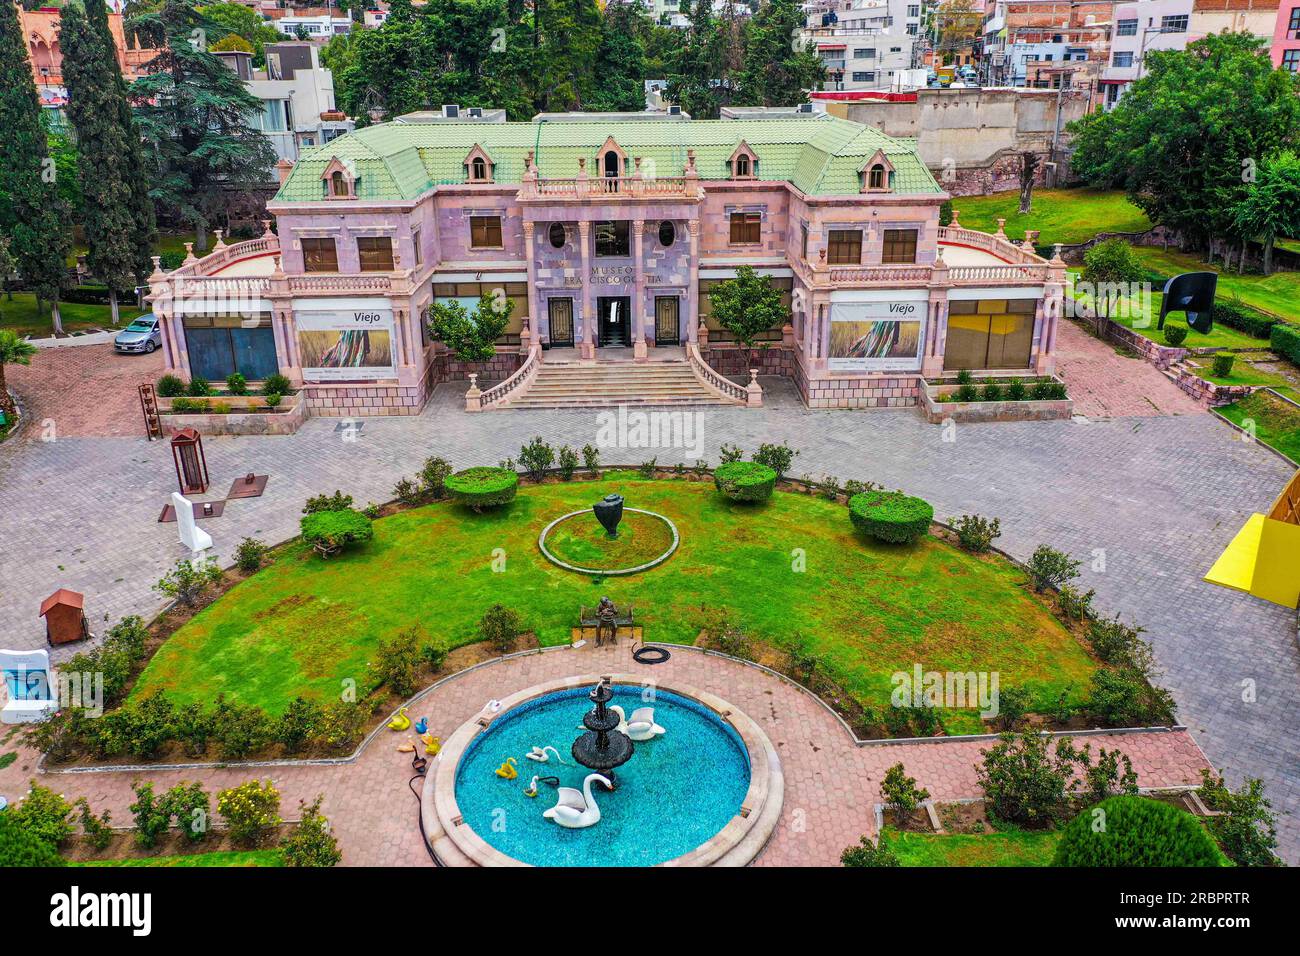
(607, 232)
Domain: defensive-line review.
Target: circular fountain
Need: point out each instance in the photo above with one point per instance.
(603, 747)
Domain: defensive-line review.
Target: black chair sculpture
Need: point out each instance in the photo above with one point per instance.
(1192, 293)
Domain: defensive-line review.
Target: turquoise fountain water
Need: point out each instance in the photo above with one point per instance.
(677, 790)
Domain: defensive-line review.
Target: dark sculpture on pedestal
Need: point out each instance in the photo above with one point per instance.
(603, 747)
(609, 512)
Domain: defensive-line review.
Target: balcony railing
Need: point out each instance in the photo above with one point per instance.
(612, 187)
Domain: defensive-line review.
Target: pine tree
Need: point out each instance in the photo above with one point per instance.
(144, 229)
(194, 113)
(778, 69)
(695, 67)
(32, 216)
(89, 72)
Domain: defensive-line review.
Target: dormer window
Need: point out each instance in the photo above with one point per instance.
(339, 181)
(610, 162)
(743, 162)
(479, 167)
(877, 174)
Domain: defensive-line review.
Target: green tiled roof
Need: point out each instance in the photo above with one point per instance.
(820, 155)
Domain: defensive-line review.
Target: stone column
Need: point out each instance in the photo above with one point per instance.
(638, 300)
(530, 259)
(693, 289)
(588, 313)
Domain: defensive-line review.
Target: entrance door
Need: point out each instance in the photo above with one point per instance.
(666, 325)
(614, 321)
(561, 323)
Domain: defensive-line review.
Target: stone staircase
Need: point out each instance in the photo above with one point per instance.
(563, 383)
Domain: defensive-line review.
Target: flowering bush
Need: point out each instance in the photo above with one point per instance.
(250, 811)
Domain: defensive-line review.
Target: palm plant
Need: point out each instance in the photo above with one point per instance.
(16, 351)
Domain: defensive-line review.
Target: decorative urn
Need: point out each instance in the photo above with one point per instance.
(609, 512)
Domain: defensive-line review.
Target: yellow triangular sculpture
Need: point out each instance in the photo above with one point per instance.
(1264, 557)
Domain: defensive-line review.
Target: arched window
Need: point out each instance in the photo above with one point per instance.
(557, 235)
(338, 183)
(876, 177)
(478, 170)
(612, 163)
(667, 233)
(742, 165)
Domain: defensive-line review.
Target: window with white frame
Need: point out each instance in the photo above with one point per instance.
(1126, 28)
(1122, 58)
(1173, 24)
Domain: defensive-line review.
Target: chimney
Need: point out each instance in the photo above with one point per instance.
(282, 169)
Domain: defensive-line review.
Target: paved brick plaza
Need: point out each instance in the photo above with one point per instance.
(831, 785)
(1157, 497)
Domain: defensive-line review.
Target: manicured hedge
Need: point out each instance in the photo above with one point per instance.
(891, 516)
(1285, 341)
(331, 531)
(482, 487)
(745, 480)
(1242, 319)
(1136, 831)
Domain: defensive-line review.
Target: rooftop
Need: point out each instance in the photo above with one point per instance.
(818, 154)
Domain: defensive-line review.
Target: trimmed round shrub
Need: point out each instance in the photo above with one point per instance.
(1175, 335)
(891, 516)
(745, 480)
(1223, 364)
(1136, 831)
(482, 487)
(170, 386)
(329, 532)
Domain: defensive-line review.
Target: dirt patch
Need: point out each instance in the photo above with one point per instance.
(963, 817)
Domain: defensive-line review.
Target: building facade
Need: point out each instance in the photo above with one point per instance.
(605, 235)
(1046, 43)
(1286, 37)
(40, 28)
(864, 44)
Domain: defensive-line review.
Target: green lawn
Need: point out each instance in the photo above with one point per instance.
(1250, 368)
(1060, 215)
(20, 315)
(1277, 294)
(302, 625)
(996, 848)
(1141, 317)
(216, 858)
(1276, 423)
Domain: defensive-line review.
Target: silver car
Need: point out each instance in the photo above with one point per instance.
(142, 335)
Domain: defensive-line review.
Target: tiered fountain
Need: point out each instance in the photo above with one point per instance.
(603, 747)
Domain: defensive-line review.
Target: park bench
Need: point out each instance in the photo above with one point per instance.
(589, 618)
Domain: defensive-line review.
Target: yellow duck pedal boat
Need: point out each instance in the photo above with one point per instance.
(507, 770)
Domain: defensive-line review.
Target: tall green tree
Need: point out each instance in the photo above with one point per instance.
(245, 22)
(620, 61)
(1271, 206)
(1186, 138)
(90, 74)
(695, 66)
(777, 68)
(194, 114)
(135, 174)
(569, 32)
(32, 215)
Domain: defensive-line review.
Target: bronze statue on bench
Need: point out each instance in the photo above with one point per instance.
(606, 619)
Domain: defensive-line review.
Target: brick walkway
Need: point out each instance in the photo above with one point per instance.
(1105, 384)
(831, 785)
(83, 390)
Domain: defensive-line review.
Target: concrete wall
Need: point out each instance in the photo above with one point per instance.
(967, 136)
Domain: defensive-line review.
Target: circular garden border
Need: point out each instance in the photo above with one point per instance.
(619, 572)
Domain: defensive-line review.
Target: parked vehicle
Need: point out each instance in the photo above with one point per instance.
(142, 335)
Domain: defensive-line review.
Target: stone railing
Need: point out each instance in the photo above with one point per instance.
(999, 246)
(879, 275)
(331, 283)
(611, 187)
(994, 275)
(221, 257)
(720, 385)
(500, 394)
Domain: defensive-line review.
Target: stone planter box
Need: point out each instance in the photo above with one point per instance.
(1208, 392)
(241, 420)
(936, 411)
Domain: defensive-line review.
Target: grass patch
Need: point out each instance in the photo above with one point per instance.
(1277, 294)
(995, 848)
(21, 317)
(216, 858)
(582, 542)
(1133, 313)
(7, 759)
(1060, 215)
(868, 609)
(1276, 423)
